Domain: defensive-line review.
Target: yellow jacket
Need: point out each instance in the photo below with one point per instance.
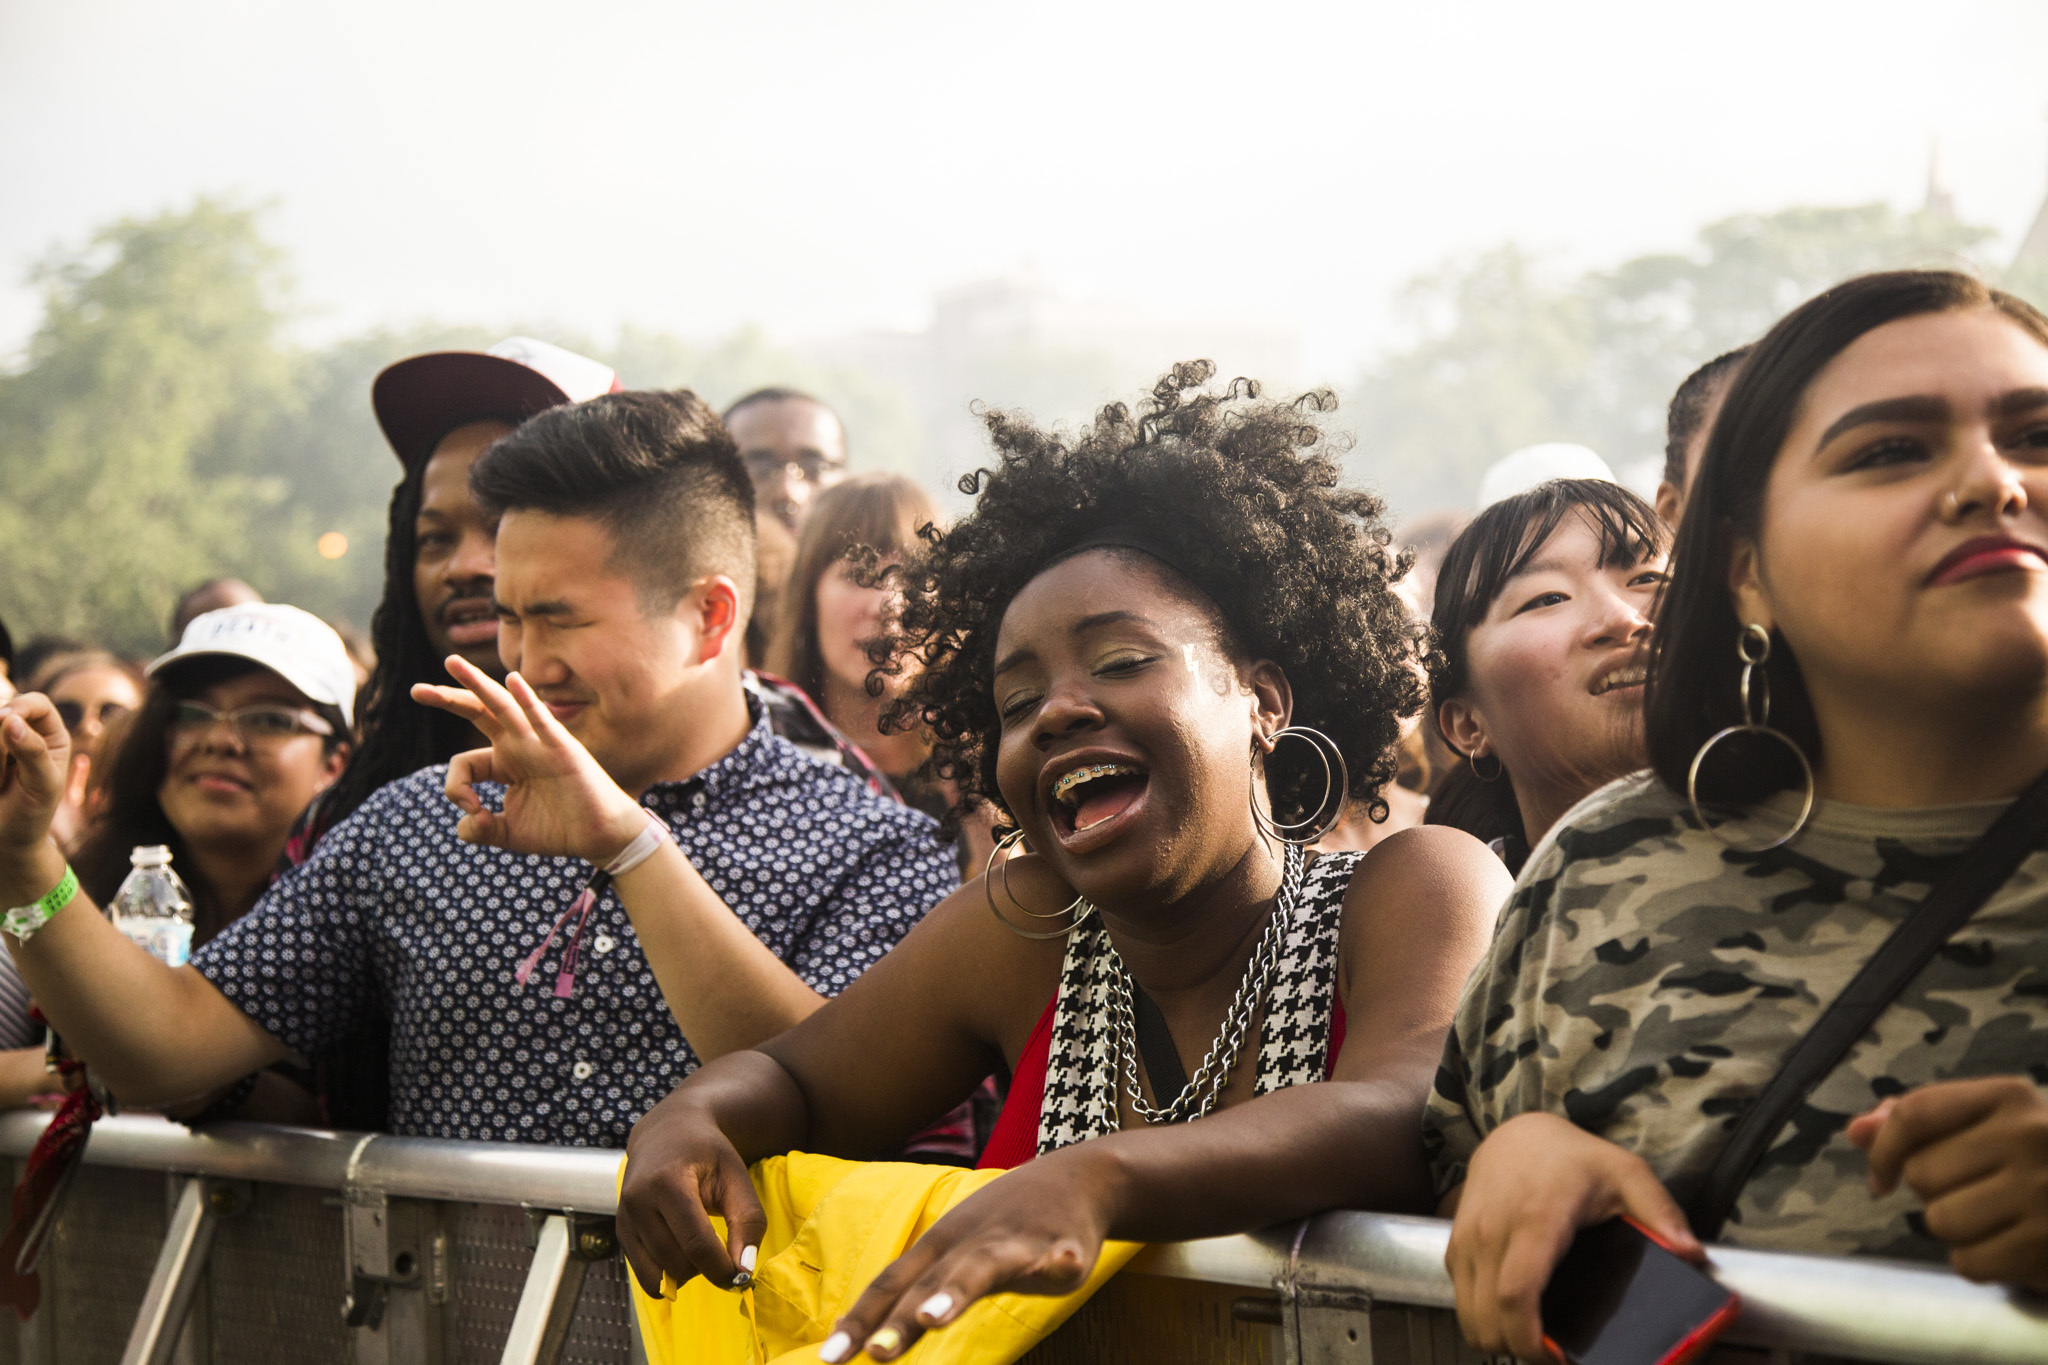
(832, 1227)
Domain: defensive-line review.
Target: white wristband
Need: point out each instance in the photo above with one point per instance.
(641, 849)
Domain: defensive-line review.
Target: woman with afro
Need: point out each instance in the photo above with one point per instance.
(1124, 648)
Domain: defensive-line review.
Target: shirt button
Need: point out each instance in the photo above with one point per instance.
(697, 801)
(603, 943)
(581, 1071)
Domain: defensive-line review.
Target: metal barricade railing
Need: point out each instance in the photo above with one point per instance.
(251, 1243)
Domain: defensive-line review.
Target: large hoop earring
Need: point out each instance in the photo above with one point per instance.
(1499, 770)
(1328, 811)
(1080, 908)
(1753, 647)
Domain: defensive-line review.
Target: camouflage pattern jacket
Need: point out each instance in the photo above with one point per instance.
(1646, 983)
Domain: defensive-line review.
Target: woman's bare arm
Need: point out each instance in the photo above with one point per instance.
(907, 1041)
(1417, 916)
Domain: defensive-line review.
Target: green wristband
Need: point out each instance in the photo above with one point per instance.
(24, 920)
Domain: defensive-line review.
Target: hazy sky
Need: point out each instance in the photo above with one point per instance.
(816, 168)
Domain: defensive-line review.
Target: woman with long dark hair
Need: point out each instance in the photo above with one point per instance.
(223, 797)
(1167, 650)
(1848, 690)
(1542, 621)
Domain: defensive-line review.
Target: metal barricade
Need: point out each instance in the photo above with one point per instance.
(256, 1244)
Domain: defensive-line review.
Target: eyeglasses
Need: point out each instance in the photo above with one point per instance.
(76, 713)
(808, 467)
(254, 727)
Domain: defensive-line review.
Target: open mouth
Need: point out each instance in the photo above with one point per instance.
(1635, 675)
(1091, 797)
(470, 621)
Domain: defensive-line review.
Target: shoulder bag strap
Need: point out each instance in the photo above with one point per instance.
(1984, 867)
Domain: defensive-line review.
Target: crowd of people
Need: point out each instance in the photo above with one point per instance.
(1167, 830)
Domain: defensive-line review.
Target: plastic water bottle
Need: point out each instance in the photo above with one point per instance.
(154, 908)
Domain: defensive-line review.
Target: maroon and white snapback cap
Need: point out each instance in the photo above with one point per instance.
(422, 398)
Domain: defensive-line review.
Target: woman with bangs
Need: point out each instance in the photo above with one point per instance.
(1166, 650)
(1542, 619)
(1847, 713)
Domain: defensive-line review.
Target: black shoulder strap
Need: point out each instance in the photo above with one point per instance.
(1984, 867)
(1155, 1044)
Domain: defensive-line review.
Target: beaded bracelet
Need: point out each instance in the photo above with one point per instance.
(23, 920)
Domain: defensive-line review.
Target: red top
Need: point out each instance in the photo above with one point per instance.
(1015, 1139)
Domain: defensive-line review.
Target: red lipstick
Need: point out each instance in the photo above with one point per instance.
(1986, 555)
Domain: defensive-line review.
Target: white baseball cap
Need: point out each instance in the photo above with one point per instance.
(422, 398)
(1531, 465)
(296, 645)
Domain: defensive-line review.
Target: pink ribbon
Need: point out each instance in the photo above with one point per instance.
(565, 976)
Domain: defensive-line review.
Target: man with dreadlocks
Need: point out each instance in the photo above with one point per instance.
(440, 411)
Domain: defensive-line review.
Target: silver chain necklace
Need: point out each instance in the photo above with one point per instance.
(1205, 1087)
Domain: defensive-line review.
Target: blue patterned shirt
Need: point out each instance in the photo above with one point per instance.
(393, 908)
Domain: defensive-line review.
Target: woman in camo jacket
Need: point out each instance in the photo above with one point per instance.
(1869, 529)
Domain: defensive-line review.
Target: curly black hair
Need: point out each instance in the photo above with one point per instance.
(1245, 495)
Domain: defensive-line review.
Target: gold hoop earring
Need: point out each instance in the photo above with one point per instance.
(1336, 782)
(1753, 648)
(1499, 770)
(1080, 908)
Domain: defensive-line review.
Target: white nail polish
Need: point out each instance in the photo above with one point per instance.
(936, 1307)
(835, 1348)
(748, 1256)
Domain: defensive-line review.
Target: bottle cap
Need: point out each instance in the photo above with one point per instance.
(150, 855)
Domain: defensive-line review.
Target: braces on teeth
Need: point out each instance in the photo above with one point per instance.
(1088, 774)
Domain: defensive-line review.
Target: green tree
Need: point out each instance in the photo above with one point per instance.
(338, 471)
(163, 430)
(1501, 363)
(1506, 355)
(134, 442)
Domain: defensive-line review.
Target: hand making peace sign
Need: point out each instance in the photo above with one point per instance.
(557, 799)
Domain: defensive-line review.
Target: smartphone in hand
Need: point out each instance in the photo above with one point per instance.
(1620, 1298)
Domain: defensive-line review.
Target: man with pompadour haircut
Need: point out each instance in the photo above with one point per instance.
(637, 875)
